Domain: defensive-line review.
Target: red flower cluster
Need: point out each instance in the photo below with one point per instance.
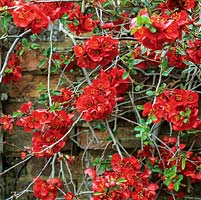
(154, 31)
(174, 156)
(125, 180)
(7, 122)
(80, 23)
(38, 15)
(69, 196)
(65, 98)
(100, 97)
(175, 59)
(46, 190)
(28, 15)
(13, 70)
(183, 4)
(55, 10)
(51, 125)
(6, 3)
(194, 51)
(180, 107)
(99, 50)
(41, 143)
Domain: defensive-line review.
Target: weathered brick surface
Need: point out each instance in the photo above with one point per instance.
(30, 60)
(125, 135)
(27, 86)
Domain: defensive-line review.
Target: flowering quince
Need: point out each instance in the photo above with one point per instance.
(25, 108)
(99, 50)
(125, 180)
(80, 23)
(41, 141)
(175, 59)
(46, 189)
(99, 99)
(30, 16)
(183, 4)
(180, 107)
(55, 10)
(69, 196)
(194, 51)
(158, 29)
(186, 163)
(7, 122)
(65, 98)
(13, 70)
(49, 128)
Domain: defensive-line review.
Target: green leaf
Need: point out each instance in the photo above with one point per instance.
(153, 118)
(97, 193)
(149, 93)
(25, 42)
(41, 87)
(17, 114)
(75, 22)
(133, 30)
(176, 186)
(125, 75)
(100, 126)
(8, 71)
(167, 181)
(124, 2)
(5, 21)
(137, 88)
(140, 107)
(183, 163)
(121, 180)
(167, 72)
(164, 64)
(55, 92)
(41, 63)
(139, 21)
(139, 128)
(54, 107)
(153, 29)
(35, 46)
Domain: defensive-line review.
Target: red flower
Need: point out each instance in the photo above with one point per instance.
(123, 181)
(41, 141)
(30, 16)
(80, 23)
(90, 172)
(79, 51)
(194, 51)
(7, 122)
(42, 116)
(13, 70)
(25, 108)
(180, 107)
(99, 50)
(166, 30)
(184, 4)
(46, 190)
(24, 15)
(69, 196)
